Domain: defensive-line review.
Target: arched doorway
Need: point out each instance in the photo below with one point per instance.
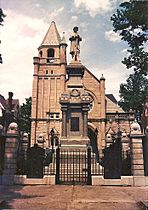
(93, 134)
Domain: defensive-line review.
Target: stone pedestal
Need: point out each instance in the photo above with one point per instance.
(137, 162)
(10, 158)
(75, 104)
(74, 143)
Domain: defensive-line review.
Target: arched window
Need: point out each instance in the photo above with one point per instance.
(50, 55)
(40, 53)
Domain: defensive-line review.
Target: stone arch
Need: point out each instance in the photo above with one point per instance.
(50, 55)
(40, 53)
(93, 136)
(92, 94)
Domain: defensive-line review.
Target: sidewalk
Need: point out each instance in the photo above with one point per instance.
(62, 197)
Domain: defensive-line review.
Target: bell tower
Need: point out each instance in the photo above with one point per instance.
(48, 82)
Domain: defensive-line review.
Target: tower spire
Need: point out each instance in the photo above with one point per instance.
(52, 36)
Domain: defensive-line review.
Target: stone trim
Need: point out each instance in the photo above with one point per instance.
(45, 119)
(23, 180)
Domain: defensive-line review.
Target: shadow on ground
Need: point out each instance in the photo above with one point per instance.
(10, 193)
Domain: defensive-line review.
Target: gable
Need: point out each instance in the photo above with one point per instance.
(91, 84)
(111, 106)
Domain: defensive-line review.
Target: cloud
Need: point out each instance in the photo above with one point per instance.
(124, 50)
(21, 35)
(112, 36)
(95, 6)
(56, 12)
(37, 5)
(114, 75)
(74, 18)
(146, 48)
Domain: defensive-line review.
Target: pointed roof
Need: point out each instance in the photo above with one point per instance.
(63, 40)
(52, 36)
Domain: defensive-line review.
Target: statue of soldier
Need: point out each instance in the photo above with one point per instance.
(75, 44)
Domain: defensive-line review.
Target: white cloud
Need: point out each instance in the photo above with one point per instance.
(112, 36)
(124, 50)
(146, 48)
(95, 6)
(21, 36)
(37, 5)
(55, 13)
(114, 75)
(74, 18)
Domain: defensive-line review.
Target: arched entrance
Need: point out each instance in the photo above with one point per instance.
(93, 134)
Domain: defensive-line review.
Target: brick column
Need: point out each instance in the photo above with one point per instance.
(10, 154)
(137, 161)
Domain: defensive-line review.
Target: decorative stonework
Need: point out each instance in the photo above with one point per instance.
(75, 104)
(137, 162)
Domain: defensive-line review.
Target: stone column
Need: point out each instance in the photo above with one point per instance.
(25, 142)
(85, 124)
(34, 107)
(101, 144)
(137, 161)
(10, 154)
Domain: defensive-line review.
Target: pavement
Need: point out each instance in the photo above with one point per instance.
(68, 197)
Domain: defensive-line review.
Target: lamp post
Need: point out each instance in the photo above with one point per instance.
(52, 133)
(118, 124)
(119, 145)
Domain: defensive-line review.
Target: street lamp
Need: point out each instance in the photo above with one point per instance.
(52, 133)
(118, 123)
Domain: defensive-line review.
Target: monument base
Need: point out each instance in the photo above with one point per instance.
(74, 143)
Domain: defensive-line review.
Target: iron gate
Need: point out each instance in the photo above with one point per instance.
(73, 166)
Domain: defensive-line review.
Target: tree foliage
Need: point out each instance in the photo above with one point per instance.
(25, 124)
(131, 22)
(133, 93)
(2, 15)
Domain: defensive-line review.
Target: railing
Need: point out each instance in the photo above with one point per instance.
(50, 169)
(72, 162)
(96, 168)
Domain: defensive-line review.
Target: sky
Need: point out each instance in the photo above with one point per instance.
(26, 24)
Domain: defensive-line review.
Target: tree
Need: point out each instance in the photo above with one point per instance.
(25, 124)
(2, 15)
(133, 93)
(131, 21)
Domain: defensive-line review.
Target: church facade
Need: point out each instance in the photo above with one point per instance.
(54, 77)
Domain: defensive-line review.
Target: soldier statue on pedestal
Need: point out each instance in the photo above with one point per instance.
(75, 44)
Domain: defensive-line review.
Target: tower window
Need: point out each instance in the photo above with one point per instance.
(51, 115)
(54, 115)
(51, 71)
(46, 71)
(57, 115)
(74, 123)
(50, 55)
(40, 54)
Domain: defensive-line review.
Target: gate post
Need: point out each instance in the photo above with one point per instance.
(57, 165)
(137, 163)
(89, 165)
(10, 156)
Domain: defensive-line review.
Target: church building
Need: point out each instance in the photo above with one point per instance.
(69, 100)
